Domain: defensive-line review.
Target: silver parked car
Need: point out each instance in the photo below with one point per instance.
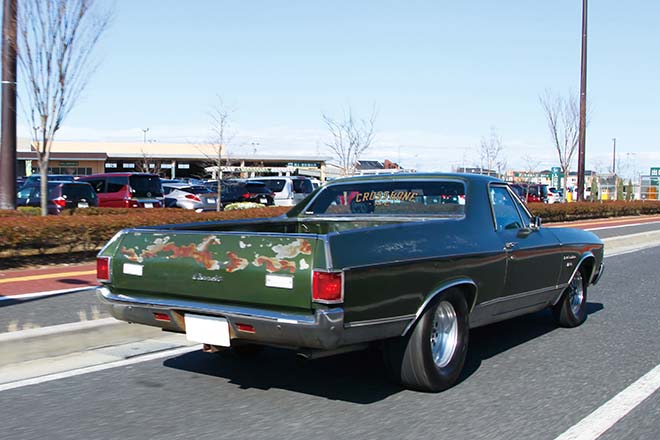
(186, 196)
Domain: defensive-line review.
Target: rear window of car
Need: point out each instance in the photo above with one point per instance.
(257, 187)
(391, 198)
(302, 186)
(78, 191)
(198, 189)
(146, 186)
(275, 185)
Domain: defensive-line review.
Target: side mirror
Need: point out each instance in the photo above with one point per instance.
(536, 223)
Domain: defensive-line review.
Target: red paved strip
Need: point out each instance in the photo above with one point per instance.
(18, 282)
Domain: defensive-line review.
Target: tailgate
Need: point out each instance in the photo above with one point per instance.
(222, 267)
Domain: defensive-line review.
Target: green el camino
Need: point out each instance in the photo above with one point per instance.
(409, 262)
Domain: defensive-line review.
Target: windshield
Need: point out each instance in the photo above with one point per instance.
(146, 186)
(391, 198)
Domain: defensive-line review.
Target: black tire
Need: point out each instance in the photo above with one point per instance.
(571, 309)
(410, 359)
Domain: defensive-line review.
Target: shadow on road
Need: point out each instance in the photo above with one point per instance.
(491, 340)
(357, 377)
(6, 301)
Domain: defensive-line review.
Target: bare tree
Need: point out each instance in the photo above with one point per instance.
(56, 39)
(531, 168)
(489, 150)
(350, 138)
(216, 151)
(563, 117)
(147, 164)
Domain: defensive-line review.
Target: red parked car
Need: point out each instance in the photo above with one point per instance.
(127, 190)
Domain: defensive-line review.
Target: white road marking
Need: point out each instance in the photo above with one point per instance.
(95, 368)
(603, 418)
(620, 226)
(48, 293)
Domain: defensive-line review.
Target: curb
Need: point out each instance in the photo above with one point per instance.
(631, 242)
(62, 339)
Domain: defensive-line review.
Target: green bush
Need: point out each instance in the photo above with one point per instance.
(90, 228)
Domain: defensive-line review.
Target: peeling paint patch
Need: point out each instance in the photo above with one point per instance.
(236, 263)
(303, 265)
(293, 249)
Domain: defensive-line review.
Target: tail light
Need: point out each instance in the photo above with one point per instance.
(328, 287)
(60, 201)
(246, 196)
(193, 197)
(128, 203)
(103, 269)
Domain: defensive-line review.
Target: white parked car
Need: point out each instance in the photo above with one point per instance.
(288, 190)
(554, 196)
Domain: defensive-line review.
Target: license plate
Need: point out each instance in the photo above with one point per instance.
(263, 201)
(83, 205)
(210, 200)
(148, 205)
(207, 329)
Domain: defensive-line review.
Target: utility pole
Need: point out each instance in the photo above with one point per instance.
(8, 141)
(583, 106)
(145, 130)
(614, 156)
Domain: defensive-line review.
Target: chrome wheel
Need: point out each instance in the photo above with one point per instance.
(444, 334)
(576, 294)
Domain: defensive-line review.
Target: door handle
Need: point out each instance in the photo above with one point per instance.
(510, 245)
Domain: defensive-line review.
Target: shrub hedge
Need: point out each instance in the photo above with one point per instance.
(88, 229)
(562, 212)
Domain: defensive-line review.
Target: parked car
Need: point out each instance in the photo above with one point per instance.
(337, 273)
(232, 191)
(554, 196)
(127, 190)
(287, 190)
(531, 192)
(61, 196)
(186, 196)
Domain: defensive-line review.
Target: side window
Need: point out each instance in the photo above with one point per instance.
(526, 218)
(97, 184)
(115, 184)
(506, 214)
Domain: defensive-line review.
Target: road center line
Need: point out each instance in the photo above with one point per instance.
(47, 276)
(101, 367)
(603, 418)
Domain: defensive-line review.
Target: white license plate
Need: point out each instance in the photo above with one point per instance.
(148, 205)
(210, 200)
(207, 330)
(83, 205)
(263, 201)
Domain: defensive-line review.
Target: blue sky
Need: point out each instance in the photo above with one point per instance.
(440, 73)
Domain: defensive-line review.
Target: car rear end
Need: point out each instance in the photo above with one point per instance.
(145, 191)
(73, 195)
(225, 287)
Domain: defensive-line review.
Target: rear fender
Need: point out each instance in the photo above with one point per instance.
(466, 285)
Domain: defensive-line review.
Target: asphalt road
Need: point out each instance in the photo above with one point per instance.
(524, 378)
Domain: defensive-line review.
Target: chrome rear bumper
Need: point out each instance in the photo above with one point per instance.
(321, 330)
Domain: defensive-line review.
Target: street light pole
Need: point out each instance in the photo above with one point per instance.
(614, 156)
(583, 106)
(145, 130)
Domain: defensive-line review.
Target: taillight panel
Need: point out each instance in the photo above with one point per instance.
(328, 287)
(104, 269)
